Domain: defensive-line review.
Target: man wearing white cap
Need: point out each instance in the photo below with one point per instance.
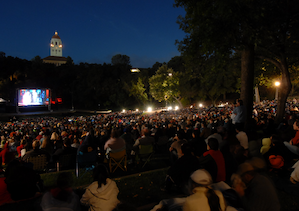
(204, 198)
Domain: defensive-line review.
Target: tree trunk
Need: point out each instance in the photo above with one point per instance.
(179, 101)
(284, 90)
(247, 78)
(224, 96)
(257, 94)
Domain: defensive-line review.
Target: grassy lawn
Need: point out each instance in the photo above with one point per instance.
(138, 188)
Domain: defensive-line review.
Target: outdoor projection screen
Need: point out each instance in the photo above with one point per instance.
(33, 97)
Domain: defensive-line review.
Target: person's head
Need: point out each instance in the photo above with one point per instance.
(180, 135)
(275, 139)
(100, 174)
(296, 125)
(202, 178)
(35, 144)
(67, 142)
(196, 134)
(146, 132)
(213, 144)
(186, 148)
(239, 102)
(75, 141)
(46, 142)
(246, 172)
(179, 149)
(114, 133)
(91, 132)
(23, 141)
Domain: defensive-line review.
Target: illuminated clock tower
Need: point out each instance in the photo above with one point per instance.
(55, 52)
(56, 46)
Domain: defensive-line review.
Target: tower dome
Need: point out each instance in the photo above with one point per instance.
(56, 46)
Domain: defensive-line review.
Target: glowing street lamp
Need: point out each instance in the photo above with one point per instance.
(277, 84)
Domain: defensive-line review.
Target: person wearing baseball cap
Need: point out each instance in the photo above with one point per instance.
(204, 198)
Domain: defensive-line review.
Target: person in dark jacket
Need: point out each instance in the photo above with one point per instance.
(179, 173)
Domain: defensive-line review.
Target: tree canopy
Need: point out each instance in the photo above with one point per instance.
(247, 28)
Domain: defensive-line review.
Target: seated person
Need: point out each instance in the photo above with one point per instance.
(179, 173)
(295, 174)
(89, 142)
(198, 144)
(19, 148)
(36, 151)
(259, 193)
(213, 161)
(22, 182)
(6, 155)
(4, 194)
(242, 137)
(75, 143)
(115, 143)
(203, 197)
(102, 193)
(216, 134)
(278, 148)
(293, 145)
(175, 147)
(145, 139)
(65, 150)
(62, 196)
(127, 136)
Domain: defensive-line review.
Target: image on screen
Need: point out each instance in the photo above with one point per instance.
(33, 97)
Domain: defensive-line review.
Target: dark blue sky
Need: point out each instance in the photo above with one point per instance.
(92, 31)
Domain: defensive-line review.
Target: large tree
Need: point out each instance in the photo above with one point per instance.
(164, 85)
(138, 90)
(279, 44)
(220, 27)
(120, 59)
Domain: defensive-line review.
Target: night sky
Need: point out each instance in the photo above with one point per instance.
(92, 31)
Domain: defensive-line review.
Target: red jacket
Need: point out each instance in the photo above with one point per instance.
(218, 157)
(295, 140)
(6, 155)
(19, 148)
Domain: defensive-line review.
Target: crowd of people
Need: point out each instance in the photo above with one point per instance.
(215, 163)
